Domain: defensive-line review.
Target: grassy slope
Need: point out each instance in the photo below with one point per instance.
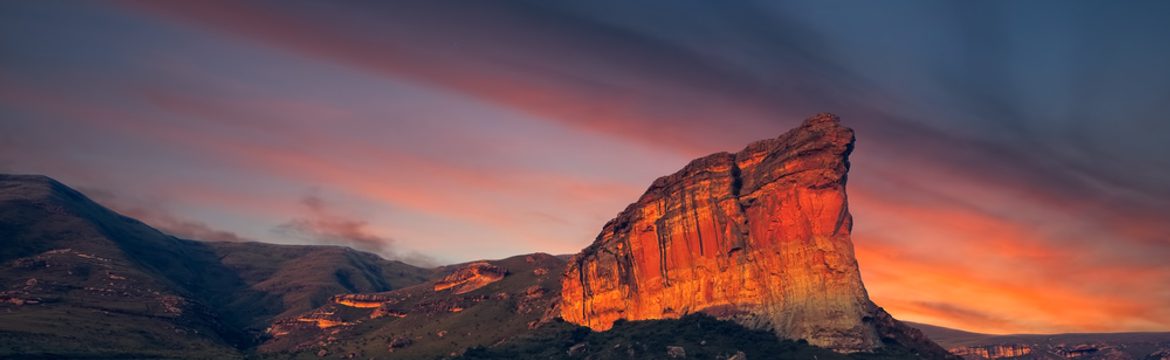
(284, 280)
(481, 322)
(103, 288)
(92, 332)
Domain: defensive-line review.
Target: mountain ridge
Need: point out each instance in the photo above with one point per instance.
(63, 256)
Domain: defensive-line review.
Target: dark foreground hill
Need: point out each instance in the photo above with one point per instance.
(79, 280)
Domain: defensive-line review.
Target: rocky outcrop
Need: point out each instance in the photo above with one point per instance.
(760, 237)
(1081, 346)
(385, 310)
(992, 351)
(323, 323)
(1082, 350)
(362, 301)
(471, 277)
(1162, 354)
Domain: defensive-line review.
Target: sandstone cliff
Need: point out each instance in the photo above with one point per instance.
(760, 236)
(992, 351)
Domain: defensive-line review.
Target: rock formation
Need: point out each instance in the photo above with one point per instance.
(760, 236)
(471, 277)
(362, 301)
(992, 351)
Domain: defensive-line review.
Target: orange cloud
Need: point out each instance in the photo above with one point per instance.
(960, 268)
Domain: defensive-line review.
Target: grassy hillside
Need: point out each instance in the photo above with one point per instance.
(284, 280)
(425, 323)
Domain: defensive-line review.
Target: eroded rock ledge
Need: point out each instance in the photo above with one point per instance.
(471, 277)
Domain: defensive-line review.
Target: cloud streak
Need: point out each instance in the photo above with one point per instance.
(321, 224)
(161, 218)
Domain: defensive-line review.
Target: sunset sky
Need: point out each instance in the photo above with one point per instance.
(1011, 174)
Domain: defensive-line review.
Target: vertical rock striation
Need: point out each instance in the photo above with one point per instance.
(760, 237)
(992, 351)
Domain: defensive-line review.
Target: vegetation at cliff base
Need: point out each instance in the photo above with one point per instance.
(697, 336)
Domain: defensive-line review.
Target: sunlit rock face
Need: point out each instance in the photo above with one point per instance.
(363, 301)
(992, 351)
(760, 236)
(471, 277)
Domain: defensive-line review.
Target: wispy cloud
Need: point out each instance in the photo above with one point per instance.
(187, 229)
(322, 225)
(161, 218)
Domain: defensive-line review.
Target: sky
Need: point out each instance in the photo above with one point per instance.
(1010, 176)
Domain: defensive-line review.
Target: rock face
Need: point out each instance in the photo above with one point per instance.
(992, 351)
(362, 301)
(472, 277)
(760, 237)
